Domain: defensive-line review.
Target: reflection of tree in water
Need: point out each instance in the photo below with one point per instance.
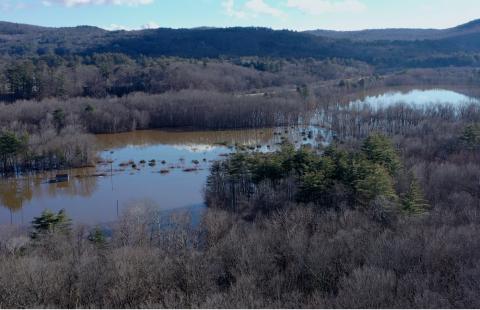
(149, 137)
(15, 192)
(84, 186)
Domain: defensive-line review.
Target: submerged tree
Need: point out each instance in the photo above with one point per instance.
(11, 146)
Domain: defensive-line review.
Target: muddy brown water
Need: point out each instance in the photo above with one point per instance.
(166, 168)
(170, 169)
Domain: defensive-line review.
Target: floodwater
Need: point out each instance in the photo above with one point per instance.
(415, 98)
(166, 168)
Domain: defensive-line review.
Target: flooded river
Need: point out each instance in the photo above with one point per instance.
(166, 168)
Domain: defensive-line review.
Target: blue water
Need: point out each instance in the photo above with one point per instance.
(415, 98)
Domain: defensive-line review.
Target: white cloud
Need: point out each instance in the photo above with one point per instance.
(260, 7)
(229, 7)
(150, 25)
(7, 5)
(251, 8)
(71, 3)
(318, 7)
(116, 27)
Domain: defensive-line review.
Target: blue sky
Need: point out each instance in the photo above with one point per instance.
(277, 14)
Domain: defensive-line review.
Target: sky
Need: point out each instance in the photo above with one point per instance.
(276, 14)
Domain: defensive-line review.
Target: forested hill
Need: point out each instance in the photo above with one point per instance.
(27, 40)
(459, 46)
(236, 41)
(401, 34)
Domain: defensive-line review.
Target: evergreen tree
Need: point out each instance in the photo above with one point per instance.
(303, 91)
(303, 160)
(59, 119)
(89, 108)
(315, 186)
(471, 136)
(97, 237)
(379, 150)
(21, 80)
(50, 223)
(10, 146)
(413, 201)
(377, 182)
(268, 168)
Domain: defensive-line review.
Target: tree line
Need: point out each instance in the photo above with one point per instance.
(102, 75)
(56, 133)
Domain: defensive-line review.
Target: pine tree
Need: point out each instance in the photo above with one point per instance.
(379, 150)
(413, 201)
(376, 182)
(471, 136)
(49, 223)
(10, 146)
(59, 119)
(97, 237)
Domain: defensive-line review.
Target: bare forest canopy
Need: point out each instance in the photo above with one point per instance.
(112, 74)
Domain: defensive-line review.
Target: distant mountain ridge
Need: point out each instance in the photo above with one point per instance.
(8, 28)
(457, 46)
(400, 34)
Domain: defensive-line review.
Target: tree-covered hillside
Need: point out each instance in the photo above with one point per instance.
(459, 46)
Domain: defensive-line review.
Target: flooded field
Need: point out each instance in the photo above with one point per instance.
(166, 168)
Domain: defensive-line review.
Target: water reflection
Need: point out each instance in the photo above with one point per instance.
(21, 192)
(14, 193)
(185, 139)
(415, 98)
(166, 167)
